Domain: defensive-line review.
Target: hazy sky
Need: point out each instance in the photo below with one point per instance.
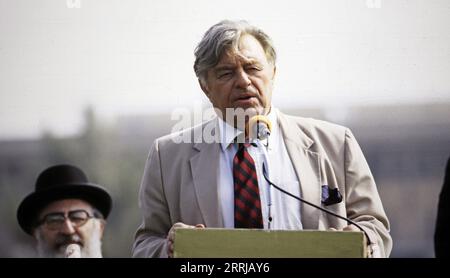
(131, 57)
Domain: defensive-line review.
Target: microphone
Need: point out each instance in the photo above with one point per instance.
(316, 206)
(73, 251)
(259, 127)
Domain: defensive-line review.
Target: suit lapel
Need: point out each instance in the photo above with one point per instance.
(306, 165)
(205, 167)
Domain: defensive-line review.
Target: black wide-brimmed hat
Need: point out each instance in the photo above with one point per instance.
(61, 182)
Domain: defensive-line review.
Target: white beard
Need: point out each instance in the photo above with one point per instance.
(92, 247)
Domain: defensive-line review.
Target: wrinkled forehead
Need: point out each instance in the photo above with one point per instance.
(66, 205)
(247, 51)
(234, 57)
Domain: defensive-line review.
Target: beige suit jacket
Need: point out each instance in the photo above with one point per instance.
(180, 183)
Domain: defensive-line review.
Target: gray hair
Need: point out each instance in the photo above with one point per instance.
(224, 36)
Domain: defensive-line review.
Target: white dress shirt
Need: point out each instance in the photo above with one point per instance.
(284, 210)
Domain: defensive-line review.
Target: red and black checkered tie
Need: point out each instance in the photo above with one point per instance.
(247, 205)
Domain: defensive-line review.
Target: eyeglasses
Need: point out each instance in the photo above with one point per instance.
(56, 220)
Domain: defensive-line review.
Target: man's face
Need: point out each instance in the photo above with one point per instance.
(53, 239)
(241, 79)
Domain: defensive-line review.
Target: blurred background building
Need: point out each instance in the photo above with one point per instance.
(406, 146)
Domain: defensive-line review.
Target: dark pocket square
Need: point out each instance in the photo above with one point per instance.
(330, 196)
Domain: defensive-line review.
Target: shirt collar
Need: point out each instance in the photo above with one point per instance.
(228, 133)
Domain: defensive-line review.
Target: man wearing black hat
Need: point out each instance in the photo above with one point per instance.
(66, 213)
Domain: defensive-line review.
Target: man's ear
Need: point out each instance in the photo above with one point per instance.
(102, 223)
(274, 72)
(204, 87)
(35, 233)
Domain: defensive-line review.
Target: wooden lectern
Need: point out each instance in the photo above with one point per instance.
(255, 243)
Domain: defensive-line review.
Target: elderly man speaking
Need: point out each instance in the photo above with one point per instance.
(65, 214)
(223, 184)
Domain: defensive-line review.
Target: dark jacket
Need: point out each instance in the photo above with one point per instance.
(442, 233)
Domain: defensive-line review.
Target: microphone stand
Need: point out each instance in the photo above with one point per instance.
(263, 147)
(316, 206)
